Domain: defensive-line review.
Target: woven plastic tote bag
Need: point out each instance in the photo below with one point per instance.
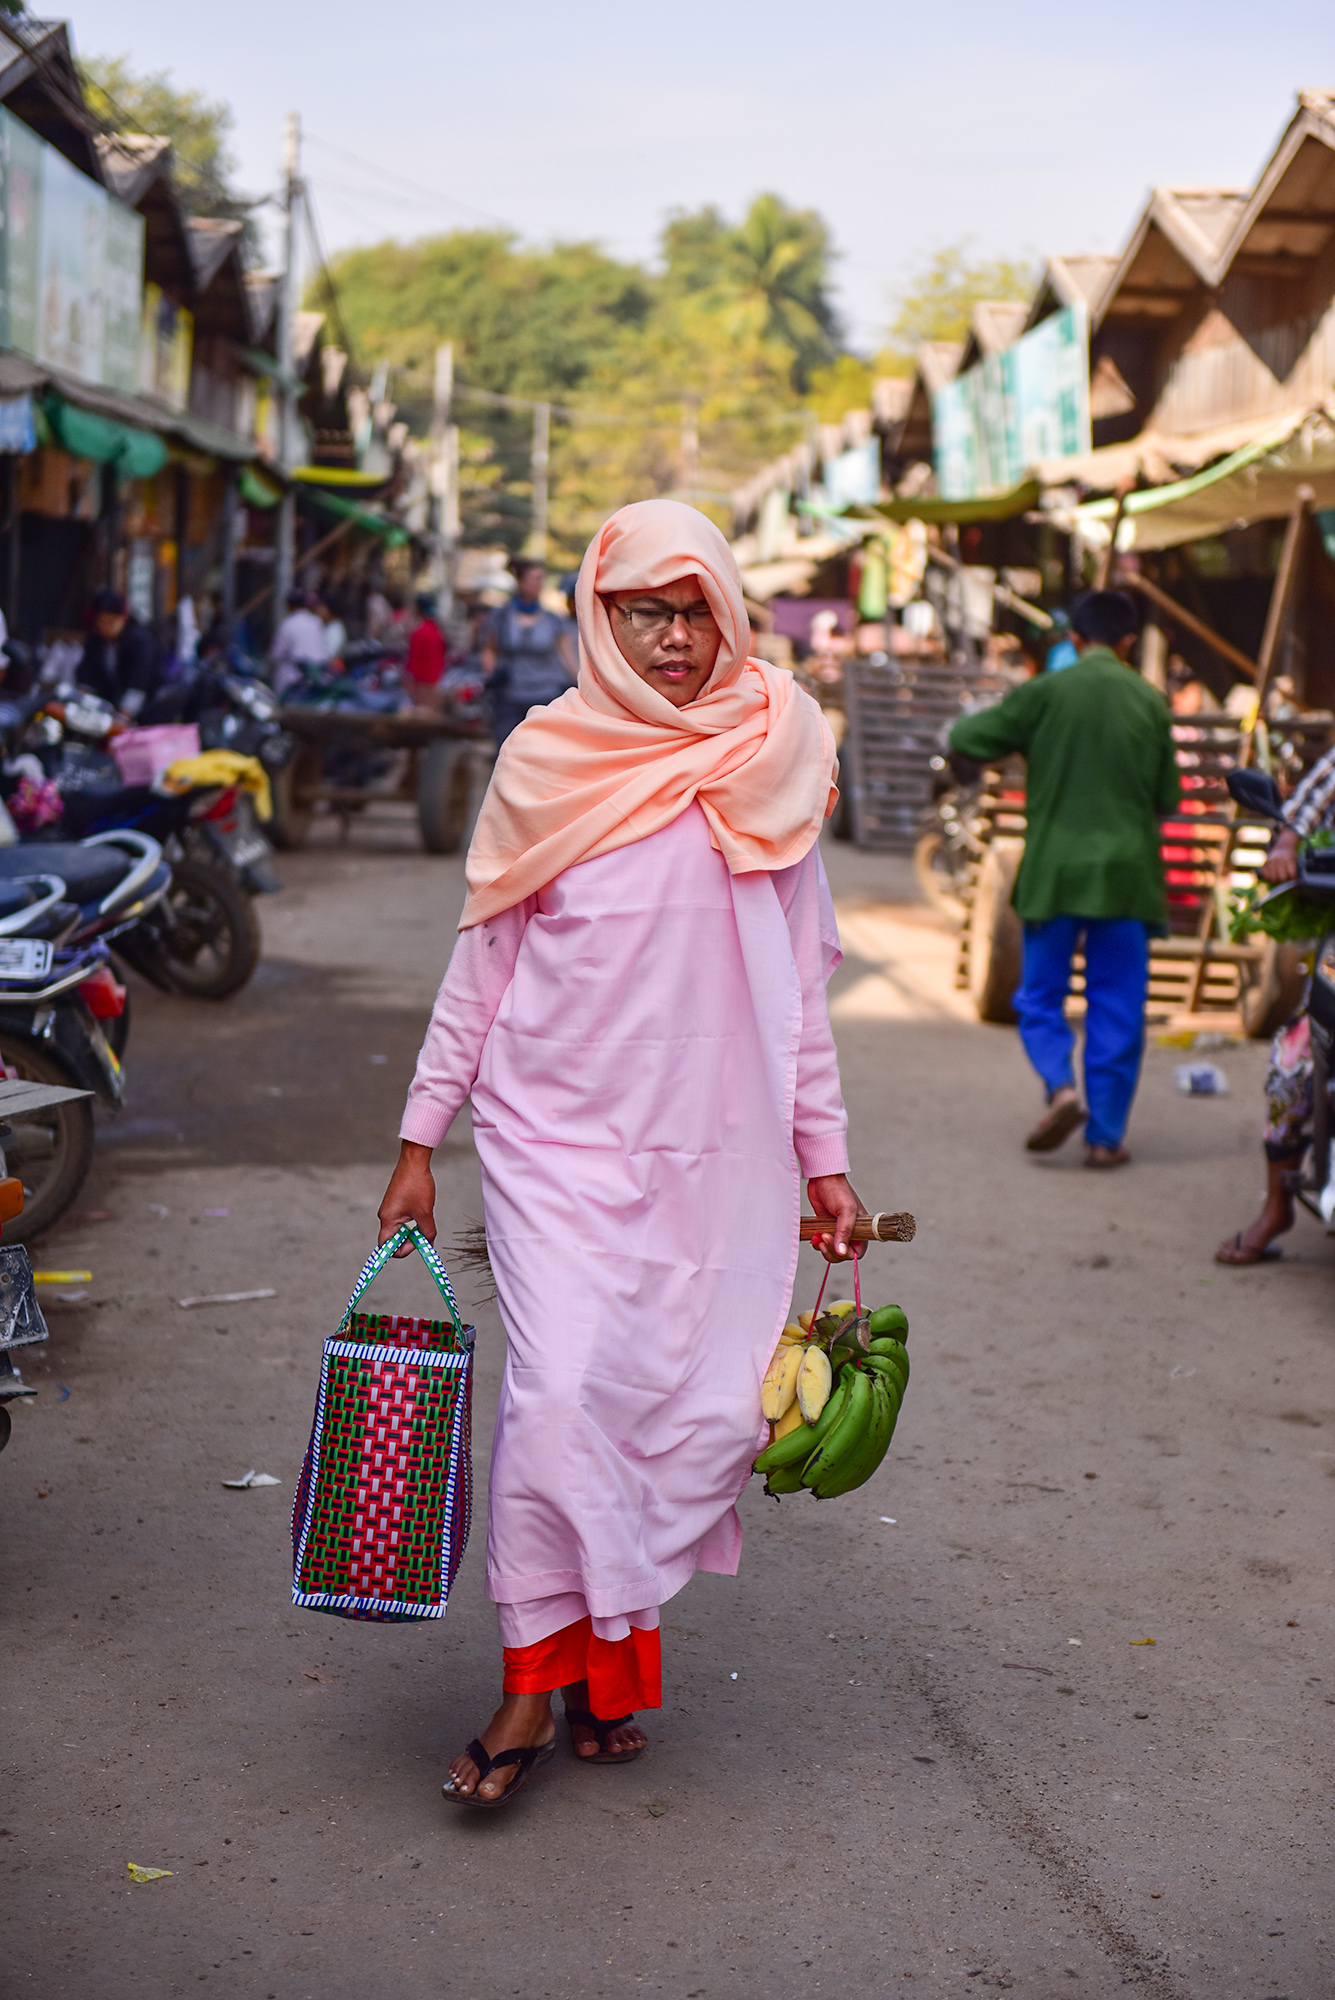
(385, 1497)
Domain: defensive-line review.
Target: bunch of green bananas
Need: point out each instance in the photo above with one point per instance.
(847, 1439)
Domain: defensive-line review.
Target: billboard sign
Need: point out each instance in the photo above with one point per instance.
(71, 264)
(1027, 405)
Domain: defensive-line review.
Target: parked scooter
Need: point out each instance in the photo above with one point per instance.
(109, 887)
(51, 1037)
(203, 940)
(1313, 1184)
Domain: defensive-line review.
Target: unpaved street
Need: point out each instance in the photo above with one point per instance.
(921, 1755)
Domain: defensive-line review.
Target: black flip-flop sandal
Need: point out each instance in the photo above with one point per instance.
(602, 1730)
(528, 1760)
(1271, 1254)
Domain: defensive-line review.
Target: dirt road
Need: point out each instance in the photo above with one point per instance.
(920, 1746)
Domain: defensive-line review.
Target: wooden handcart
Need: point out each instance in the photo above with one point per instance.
(1197, 975)
(443, 770)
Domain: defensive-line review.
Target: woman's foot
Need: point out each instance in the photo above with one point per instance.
(520, 1721)
(1250, 1245)
(627, 1736)
(1107, 1156)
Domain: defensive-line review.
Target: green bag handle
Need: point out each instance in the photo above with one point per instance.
(407, 1232)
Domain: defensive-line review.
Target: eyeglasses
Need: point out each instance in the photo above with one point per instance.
(660, 617)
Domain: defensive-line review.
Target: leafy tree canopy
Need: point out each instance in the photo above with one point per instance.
(198, 127)
(937, 302)
(777, 257)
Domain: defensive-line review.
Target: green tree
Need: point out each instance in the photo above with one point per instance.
(702, 397)
(778, 256)
(198, 127)
(531, 324)
(937, 302)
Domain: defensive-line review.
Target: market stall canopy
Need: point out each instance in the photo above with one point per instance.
(340, 478)
(991, 507)
(1257, 483)
(392, 532)
(20, 376)
(101, 440)
(1157, 457)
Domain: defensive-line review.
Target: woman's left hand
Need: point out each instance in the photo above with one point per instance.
(830, 1194)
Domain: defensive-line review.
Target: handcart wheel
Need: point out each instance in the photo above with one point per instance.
(6, 1425)
(294, 789)
(996, 936)
(445, 794)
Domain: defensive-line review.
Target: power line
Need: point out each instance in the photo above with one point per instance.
(418, 187)
(317, 245)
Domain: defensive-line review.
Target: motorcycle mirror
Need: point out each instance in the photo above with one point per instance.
(1256, 792)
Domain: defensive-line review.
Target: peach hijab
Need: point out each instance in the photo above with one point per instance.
(612, 761)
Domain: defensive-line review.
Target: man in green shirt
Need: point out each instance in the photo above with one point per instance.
(1101, 774)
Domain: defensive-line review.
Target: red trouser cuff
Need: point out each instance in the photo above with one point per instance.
(623, 1674)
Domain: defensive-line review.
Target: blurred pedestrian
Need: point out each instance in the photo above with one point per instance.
(528, 656)
(428, 654)
(120, 660)
(1290, 1082)
(298, 643)
(1101, 774)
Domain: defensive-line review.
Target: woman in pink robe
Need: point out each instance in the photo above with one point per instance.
(636, 1006)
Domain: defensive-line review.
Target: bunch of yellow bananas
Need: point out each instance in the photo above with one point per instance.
(833, 1392)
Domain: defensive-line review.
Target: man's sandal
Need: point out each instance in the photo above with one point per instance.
(528, 1760)
(602, 1730)
(1054, 1128)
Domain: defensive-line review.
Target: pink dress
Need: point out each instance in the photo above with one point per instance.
(648, 1050)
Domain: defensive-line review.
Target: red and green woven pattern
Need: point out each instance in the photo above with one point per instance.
(386, 1501)
(402, 1330)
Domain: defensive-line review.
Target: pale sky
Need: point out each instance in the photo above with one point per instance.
(1030, 128)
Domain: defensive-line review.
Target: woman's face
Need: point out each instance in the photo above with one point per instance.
(668, 634)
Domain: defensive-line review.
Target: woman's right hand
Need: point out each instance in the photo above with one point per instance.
(410, 1196)
(1281, 864)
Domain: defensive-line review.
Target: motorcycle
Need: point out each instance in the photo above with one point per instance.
(1312, 1184)
(104, 888)
(202, 939)
(53, 1002)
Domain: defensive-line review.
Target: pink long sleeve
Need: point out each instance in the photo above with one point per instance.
(480, 969)
(820, 1123)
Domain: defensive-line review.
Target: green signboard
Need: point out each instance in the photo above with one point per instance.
(71, 264)
(1023, 407)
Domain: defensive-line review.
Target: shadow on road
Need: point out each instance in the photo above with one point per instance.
(301, 1041)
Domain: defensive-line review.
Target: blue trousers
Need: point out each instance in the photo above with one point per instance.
(1116, 972)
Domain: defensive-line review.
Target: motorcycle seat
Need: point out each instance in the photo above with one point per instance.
(89, 873)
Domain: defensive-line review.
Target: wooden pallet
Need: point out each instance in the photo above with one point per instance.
(1209, 856)
(897, 708)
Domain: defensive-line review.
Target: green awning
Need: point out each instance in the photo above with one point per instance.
(990, 507)
(256, 491)
(135, 454)
(375, 524)
(1260, 482)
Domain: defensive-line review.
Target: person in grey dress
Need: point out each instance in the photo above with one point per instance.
(528, 658)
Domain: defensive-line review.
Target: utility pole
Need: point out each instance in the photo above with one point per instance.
(445, 474)
(286, 530)
(690, 445)
(542, 429)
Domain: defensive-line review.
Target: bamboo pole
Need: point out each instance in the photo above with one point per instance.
(1193, 624)
(325, 542)
(1276, 616)
(1109, 562)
